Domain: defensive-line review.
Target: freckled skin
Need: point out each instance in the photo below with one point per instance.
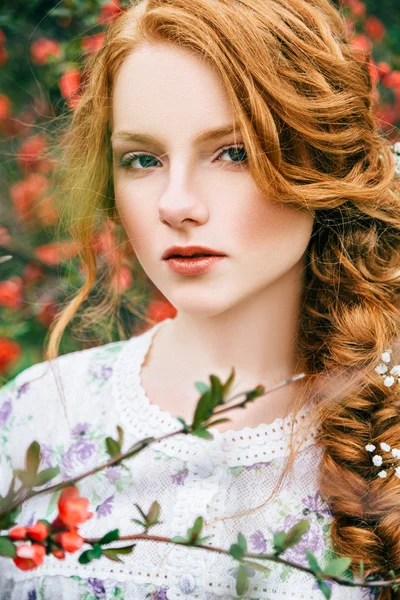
(244, 312)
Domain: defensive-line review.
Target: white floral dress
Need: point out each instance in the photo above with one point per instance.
(189, 476)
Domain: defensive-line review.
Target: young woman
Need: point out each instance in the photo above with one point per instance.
(244, 129)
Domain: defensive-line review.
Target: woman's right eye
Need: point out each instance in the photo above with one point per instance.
(130, 158)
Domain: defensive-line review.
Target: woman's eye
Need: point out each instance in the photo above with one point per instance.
(237, 153)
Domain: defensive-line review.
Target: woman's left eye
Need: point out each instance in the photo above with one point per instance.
(145, 160)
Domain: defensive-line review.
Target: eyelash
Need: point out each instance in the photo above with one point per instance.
(124, 164)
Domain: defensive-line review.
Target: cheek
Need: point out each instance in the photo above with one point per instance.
(273, 227)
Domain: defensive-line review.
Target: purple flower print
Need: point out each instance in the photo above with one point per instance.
(80, 430)
(258, 541)
(22, 390)
(317, 505)
(179, 477)
(81, 453)
(47, 456)
(312, 540)
(32, 595)
(5, 412)
(113, 473)
(160, 594)
(102, 373)
(257, 465)
(105, 507)
(31, 521)
(96, 586)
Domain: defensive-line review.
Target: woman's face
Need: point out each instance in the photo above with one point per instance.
(179, 191)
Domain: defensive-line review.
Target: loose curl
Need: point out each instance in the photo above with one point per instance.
(302, 95)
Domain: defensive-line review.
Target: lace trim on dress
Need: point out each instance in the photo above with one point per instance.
(144, 419)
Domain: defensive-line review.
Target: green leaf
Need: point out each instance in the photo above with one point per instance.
(228, 384)
(324, 589)
(112, 553)
(139, 522)
(154, 513)
(185, 425)
(337, 566)
(218, 421)
(179, 539)
(242, 580)
(86, 557)
(120, 436)
(32, 458)
(7, 548)
(316, 569)
(279, 542)
(113, 447)
(194, 532)
(361, 569)
(24, 477)
(9, 518)
(256, 393)
(238, 550)
(202, 432)
(257, 567)
(141, 512)
(202, 387)
(295, 533)
(97, 551)
(45, 476)
(109, 537)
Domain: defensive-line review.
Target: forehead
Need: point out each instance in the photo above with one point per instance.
(163, 87)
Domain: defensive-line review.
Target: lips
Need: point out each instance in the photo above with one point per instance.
(190, 252)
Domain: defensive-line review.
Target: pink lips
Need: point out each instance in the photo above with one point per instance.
(193, 266)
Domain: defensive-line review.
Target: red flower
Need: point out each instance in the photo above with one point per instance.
(31, 151)
(11, 293)
(125, 280)
(5, 237)
(9, 352)
(392, 80)
(375, 28)
(158, 310)
(54, 253)
(70, 541)
(92, 43)
(58, 553)
(69, 83)
(47, 313)
(363, 42)
(72, 509)
(42, 48)
(109, 12)
(18, 533)
(3, 56)
(32, 273)
(5, 106)
(38, 532)
(357, 7)
(29, 556)
(26, 193)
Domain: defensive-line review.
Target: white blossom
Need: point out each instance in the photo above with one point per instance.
(396, 453)
(377, 460)
(382, 474)
(388, 381)
(397, 469)
(395, 370)
(370, 447)
(381, 369)
(385, 447)
(396, 147)
(386, 356)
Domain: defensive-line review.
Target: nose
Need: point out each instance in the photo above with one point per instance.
(182, 202)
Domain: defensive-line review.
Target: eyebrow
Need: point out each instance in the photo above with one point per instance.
(203, 136)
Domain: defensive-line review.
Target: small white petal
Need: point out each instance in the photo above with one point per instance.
(396, 452)
(370, 447)
(397, 470)
(395, 370)
(381, 369)
(377, 460)
(388, 381)
(385, 447)
(396, 147)
(385, 356)
(382, 474)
